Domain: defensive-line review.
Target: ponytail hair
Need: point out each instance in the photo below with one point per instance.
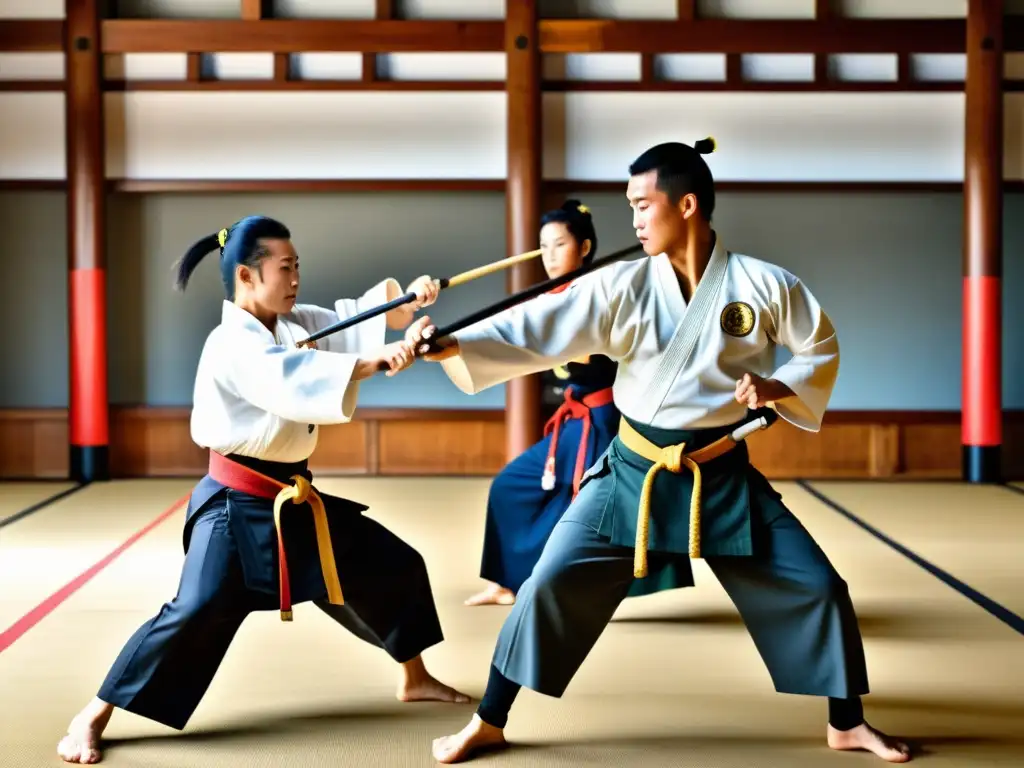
(578, 220)
(186, 264)
(238, 245)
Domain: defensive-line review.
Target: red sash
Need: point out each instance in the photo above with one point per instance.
(572, 409)
(241, 478)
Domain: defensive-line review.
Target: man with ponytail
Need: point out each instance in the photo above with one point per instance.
(694, 329)
(258, 536)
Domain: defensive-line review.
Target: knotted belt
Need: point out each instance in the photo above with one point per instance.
(241, 478)
(572, 408)
(674, 458)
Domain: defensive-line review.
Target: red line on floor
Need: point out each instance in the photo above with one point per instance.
(41, 611)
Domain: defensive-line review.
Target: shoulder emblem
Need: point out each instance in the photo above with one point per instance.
(738, 319)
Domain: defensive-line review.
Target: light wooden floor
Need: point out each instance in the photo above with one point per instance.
(674, 681)
(15, 497)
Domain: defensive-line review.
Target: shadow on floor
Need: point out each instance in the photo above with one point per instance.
(385, 718)
(915, 623)
(734, 746)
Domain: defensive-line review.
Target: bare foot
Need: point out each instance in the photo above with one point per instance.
(493, 595)
(431, 690)
(82, 743)
(417, 684)
(475, 737)
(866, 737)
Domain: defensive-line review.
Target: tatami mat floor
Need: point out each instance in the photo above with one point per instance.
(674, 681)
(18, 496)
(976, 533)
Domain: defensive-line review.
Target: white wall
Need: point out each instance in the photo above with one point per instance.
(763, 136)
(32, 66)
(32, 136)
(32, 9)
(587, 136)
(306, 134)
(772, 136)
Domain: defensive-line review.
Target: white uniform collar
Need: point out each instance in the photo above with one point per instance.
(233, 315)
(670, 283)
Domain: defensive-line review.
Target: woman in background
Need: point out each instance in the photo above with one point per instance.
(529, 496)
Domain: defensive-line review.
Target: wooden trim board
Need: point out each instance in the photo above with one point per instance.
(155, 442)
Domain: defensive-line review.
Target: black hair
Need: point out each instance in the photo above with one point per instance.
(681, 171)
(578, 221)
(238, 244)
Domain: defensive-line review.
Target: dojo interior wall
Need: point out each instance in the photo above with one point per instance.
(884, 261)
(885, 265)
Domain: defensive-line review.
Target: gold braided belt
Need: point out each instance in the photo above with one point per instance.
(301, 493)
(674, 458)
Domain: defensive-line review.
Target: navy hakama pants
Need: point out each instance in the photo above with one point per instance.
(520, 514)
(165, 668)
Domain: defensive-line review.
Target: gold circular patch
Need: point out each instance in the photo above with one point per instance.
(738, 318)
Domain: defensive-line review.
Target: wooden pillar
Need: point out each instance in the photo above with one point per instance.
(88, 418)
(522, 198)
(983, 245)
(254, 10)
(384, 10)
(257, 10)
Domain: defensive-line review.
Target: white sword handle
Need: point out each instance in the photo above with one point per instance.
(741, 433)
(745, 430)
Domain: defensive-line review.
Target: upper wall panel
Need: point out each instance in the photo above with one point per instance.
(32, 9)
(306, 135)
(32, 136)
(176, 9)
(771, 136)
(903, 9)
(440, 135)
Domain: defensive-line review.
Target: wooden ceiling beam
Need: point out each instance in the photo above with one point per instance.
(300, 35)
(822, 36)
(31, 35)
(831, 35)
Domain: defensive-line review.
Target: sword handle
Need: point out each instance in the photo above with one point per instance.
(765, 417)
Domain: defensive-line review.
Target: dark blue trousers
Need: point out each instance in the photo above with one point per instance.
(165, 668)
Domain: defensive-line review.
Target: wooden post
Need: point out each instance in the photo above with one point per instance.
(983, 245)
(257, 10)
(523, 195)
(88, 418)
(384, 11)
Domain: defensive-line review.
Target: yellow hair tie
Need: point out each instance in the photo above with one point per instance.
(222, 237)
(583, 209)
